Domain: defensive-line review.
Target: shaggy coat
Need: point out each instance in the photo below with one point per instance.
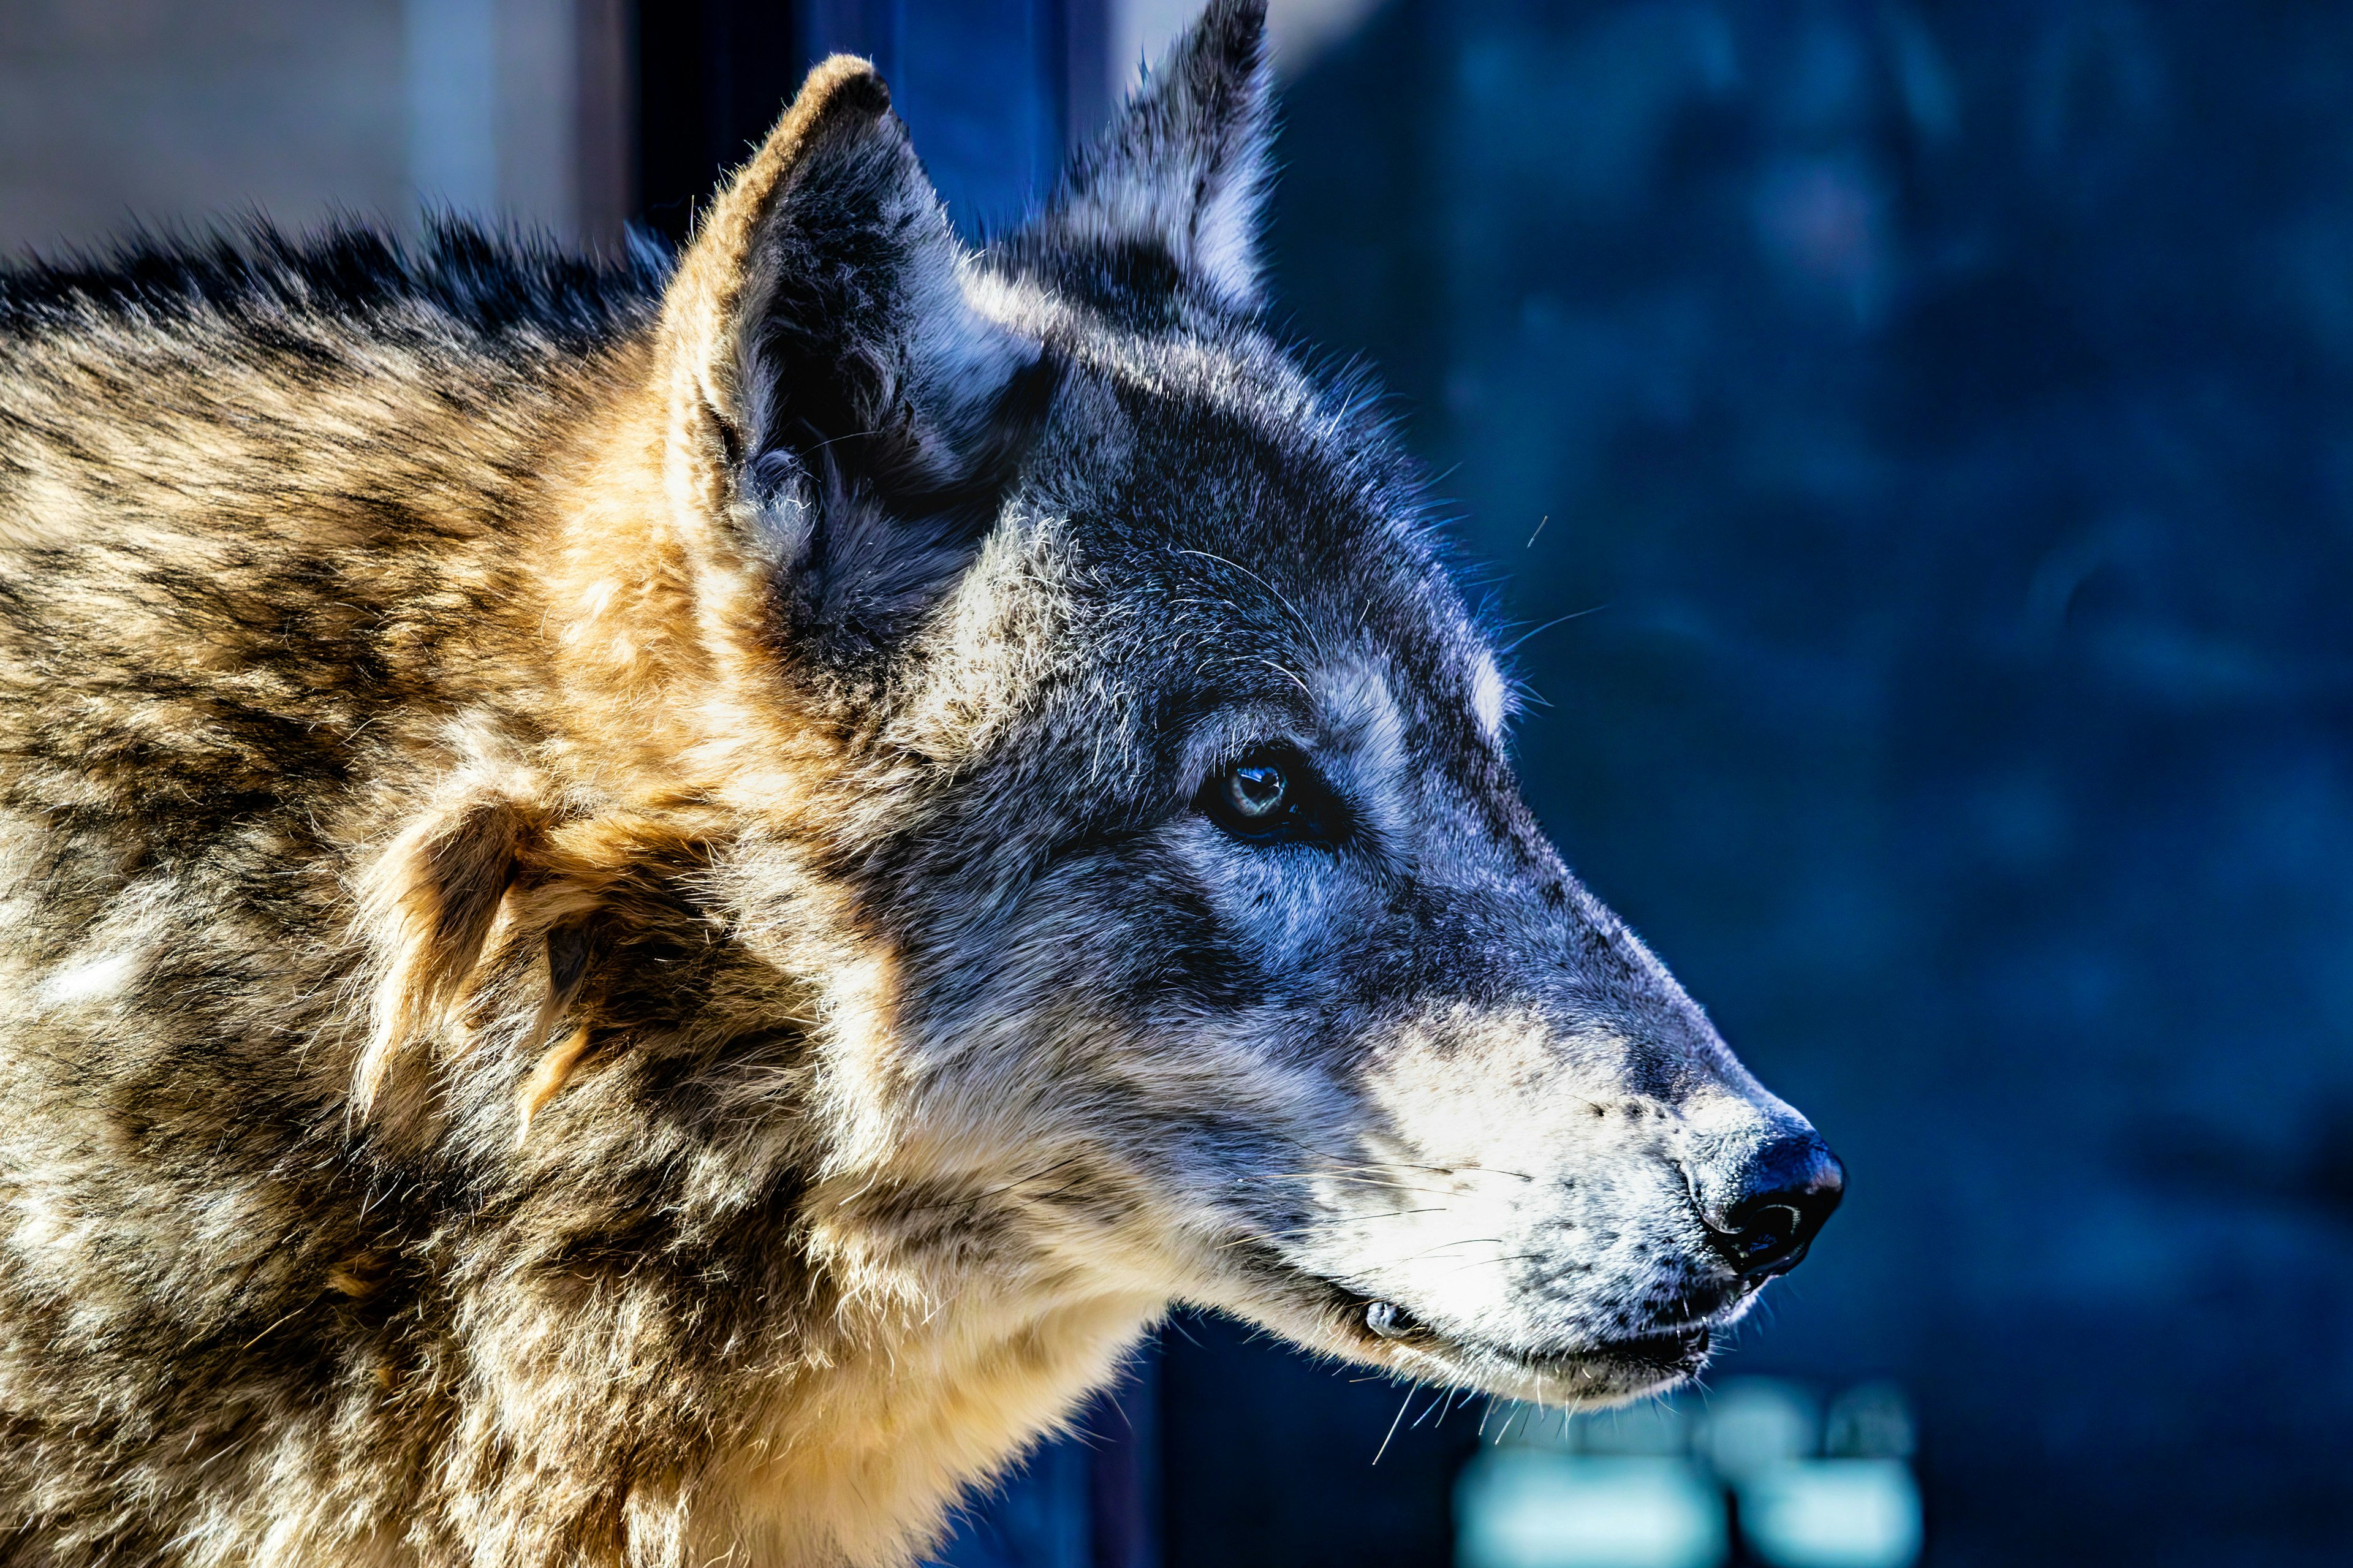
(649, 911)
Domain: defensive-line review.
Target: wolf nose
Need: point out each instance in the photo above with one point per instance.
(1778, 1204)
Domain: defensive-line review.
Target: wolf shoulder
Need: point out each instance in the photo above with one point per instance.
(259, 512)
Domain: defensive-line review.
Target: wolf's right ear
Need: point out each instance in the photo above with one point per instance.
(838, 407)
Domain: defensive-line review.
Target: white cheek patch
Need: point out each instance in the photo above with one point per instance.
(1491, 700)
(1493, 1138)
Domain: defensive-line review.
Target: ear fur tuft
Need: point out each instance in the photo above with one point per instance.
(1183, 170)
(567, 972)
(548, 1077)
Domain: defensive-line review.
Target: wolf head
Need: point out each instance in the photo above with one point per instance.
(1202, 945)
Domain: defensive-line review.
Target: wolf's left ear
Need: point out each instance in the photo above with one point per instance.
(1181, 176)
(837, 404)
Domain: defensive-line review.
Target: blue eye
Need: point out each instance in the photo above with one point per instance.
(1254, 792)
(1273, 797)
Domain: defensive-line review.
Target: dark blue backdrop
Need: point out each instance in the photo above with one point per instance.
(1944, 416)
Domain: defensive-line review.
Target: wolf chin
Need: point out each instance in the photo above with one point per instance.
(652, 910)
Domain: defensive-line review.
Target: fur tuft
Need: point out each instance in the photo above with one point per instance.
(548, 1077)
(427, 906)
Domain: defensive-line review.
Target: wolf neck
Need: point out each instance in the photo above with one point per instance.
(860, 1461)
(664, 787)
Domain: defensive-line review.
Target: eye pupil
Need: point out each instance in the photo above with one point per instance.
(1255, 790)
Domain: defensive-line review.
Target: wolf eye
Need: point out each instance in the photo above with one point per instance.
(1265, 796)
(1254, 792)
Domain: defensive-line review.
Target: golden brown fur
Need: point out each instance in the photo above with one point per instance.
(516, 637)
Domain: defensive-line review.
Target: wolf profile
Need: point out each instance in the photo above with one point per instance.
(652, 910)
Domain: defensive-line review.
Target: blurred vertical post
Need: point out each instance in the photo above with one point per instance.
(518, 113)
(996, 92)
(712, 77)
(604, 121)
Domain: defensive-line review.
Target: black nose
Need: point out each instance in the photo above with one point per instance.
(1778, 1204)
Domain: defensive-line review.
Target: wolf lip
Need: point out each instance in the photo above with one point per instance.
(1672, 1352)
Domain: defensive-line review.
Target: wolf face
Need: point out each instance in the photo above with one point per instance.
(1217, 930)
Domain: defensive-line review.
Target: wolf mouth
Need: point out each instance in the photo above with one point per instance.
(1607, 1369)
(1662, 1356)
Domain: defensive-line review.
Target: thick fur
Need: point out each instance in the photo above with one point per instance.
(612, 953)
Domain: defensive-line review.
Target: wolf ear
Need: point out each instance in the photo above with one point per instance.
(837, 404)
(1180, 176)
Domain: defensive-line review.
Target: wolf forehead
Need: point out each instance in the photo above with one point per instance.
(1227, 501)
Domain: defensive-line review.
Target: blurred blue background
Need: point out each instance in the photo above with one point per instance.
(1941, 414)
(1913, 446)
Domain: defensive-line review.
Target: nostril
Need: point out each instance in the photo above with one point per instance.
(1769, 1233)
(1769, 1238)
(1785, 1195)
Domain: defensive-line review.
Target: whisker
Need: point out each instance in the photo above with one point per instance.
(1513, 647)
(1393, 1424)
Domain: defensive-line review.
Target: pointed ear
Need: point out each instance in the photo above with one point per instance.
(1180, 176)
(838, 406)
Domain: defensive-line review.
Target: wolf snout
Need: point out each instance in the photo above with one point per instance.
(1768, 1210)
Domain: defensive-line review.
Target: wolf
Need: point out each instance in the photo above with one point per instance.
(653, 907)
